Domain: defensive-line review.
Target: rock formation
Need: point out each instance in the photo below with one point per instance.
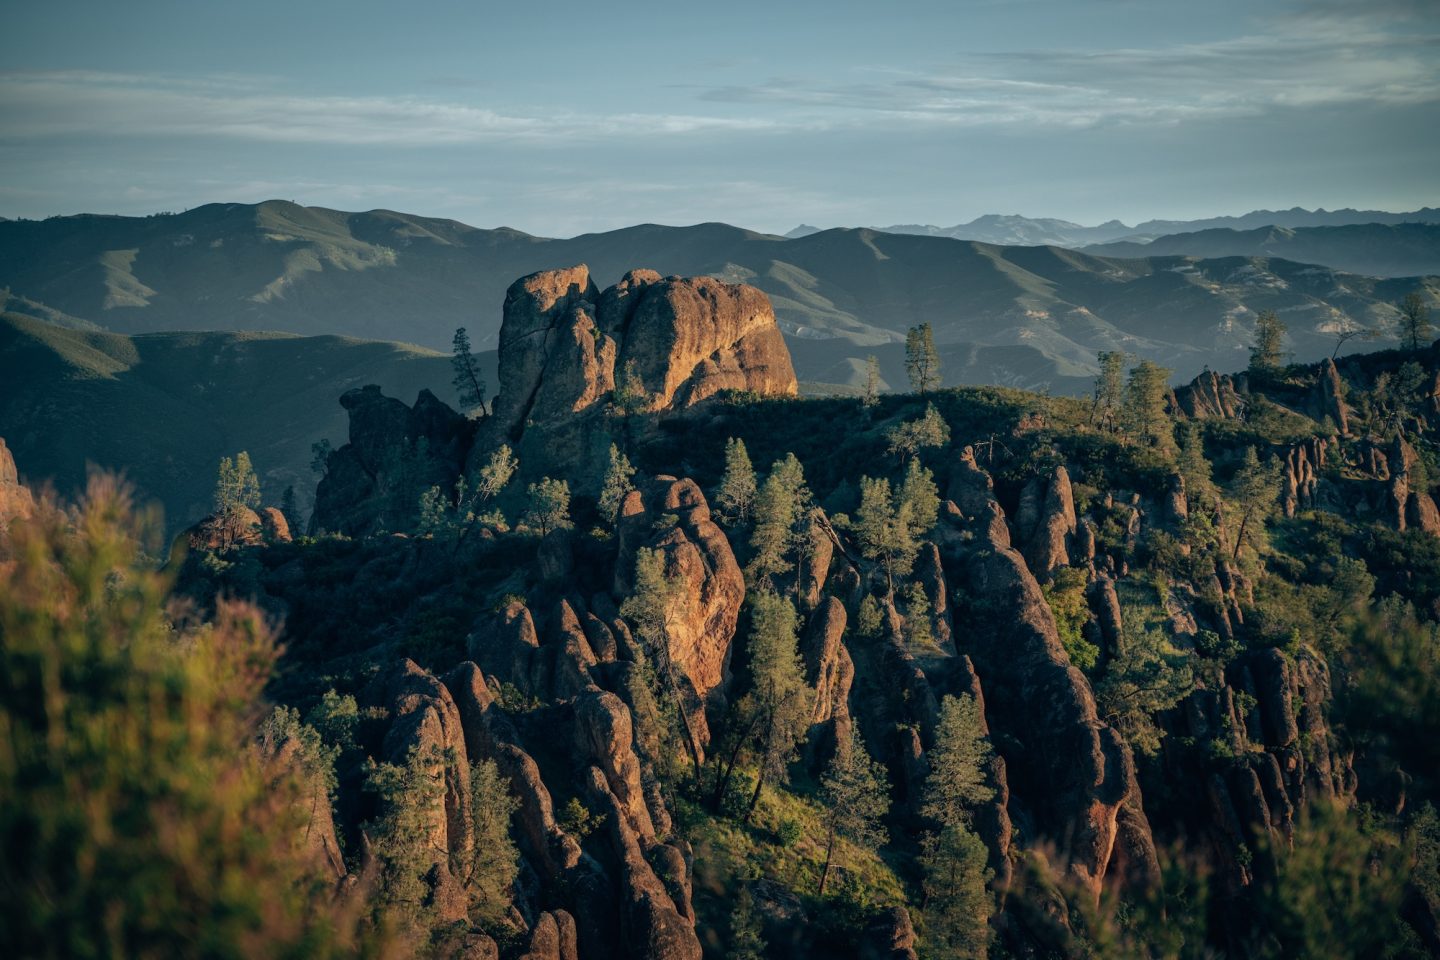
(829, 669)
(1046, 521)
(696, 553)
(16, 502)
(668, 343)
(564, 345)
(1084, 776)
(1328, 398)
(395, 453)
(665, 343)
(1210, 396)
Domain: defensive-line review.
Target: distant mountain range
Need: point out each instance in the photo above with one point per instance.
(1375, 249)
(1047, 231)
(1027, 316)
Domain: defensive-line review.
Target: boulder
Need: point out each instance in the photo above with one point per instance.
(274, 528)
(930, 573)
(549, 850)
(425, 722)
(651, 925)
(240, 527)
(553, 937)
(604, 733)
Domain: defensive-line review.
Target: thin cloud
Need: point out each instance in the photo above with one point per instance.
(41, 105)
(1320, 63)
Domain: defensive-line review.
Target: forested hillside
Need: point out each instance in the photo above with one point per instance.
(653, 658)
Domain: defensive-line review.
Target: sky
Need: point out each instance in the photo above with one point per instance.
(562, 118)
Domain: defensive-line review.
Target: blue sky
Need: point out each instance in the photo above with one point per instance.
(563, 118)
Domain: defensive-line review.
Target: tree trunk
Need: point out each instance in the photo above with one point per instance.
(755, 797)
(721, 784)
(825, 870)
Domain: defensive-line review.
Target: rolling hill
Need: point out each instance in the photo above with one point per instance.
(1027, 316)
(1373, 249)
(164, 408)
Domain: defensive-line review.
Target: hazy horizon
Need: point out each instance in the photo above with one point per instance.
(560, 120)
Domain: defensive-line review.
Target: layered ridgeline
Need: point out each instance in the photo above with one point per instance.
(1373, 249)
(1014, 230)
(163, 408)
(1031, 317)
(1154, 675)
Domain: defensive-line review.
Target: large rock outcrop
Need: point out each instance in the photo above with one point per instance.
(667, 343)
(564, 345)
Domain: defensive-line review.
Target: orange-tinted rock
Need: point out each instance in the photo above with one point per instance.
(16, 501)
(702, 624)
(274, 528)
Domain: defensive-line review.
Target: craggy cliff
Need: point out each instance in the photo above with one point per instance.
(1157, 633)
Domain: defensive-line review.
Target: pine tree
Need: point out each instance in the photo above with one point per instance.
(650, 608)
(909, 438)
(411, 796)
(957, 763)
(549, 506)
(855, 796)
(616, 485)
(871, 396)
(1415, 326)
(919, 498)
(1145, 677)
(1194, 468)
(746, 929)
(1109, 390)
(496, 473)
(779, 691)
(491, 874)
(917, 615)
(885, 530)
(957, 905)
(736, 494)
(469, 387)
(1254, 490)
(922, 360)
(781, 508)
(1268, 353)
(630, 394)
(237, 490)
(1146, 393)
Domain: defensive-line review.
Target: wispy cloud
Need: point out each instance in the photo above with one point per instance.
(1324, 60)
(57, 104)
